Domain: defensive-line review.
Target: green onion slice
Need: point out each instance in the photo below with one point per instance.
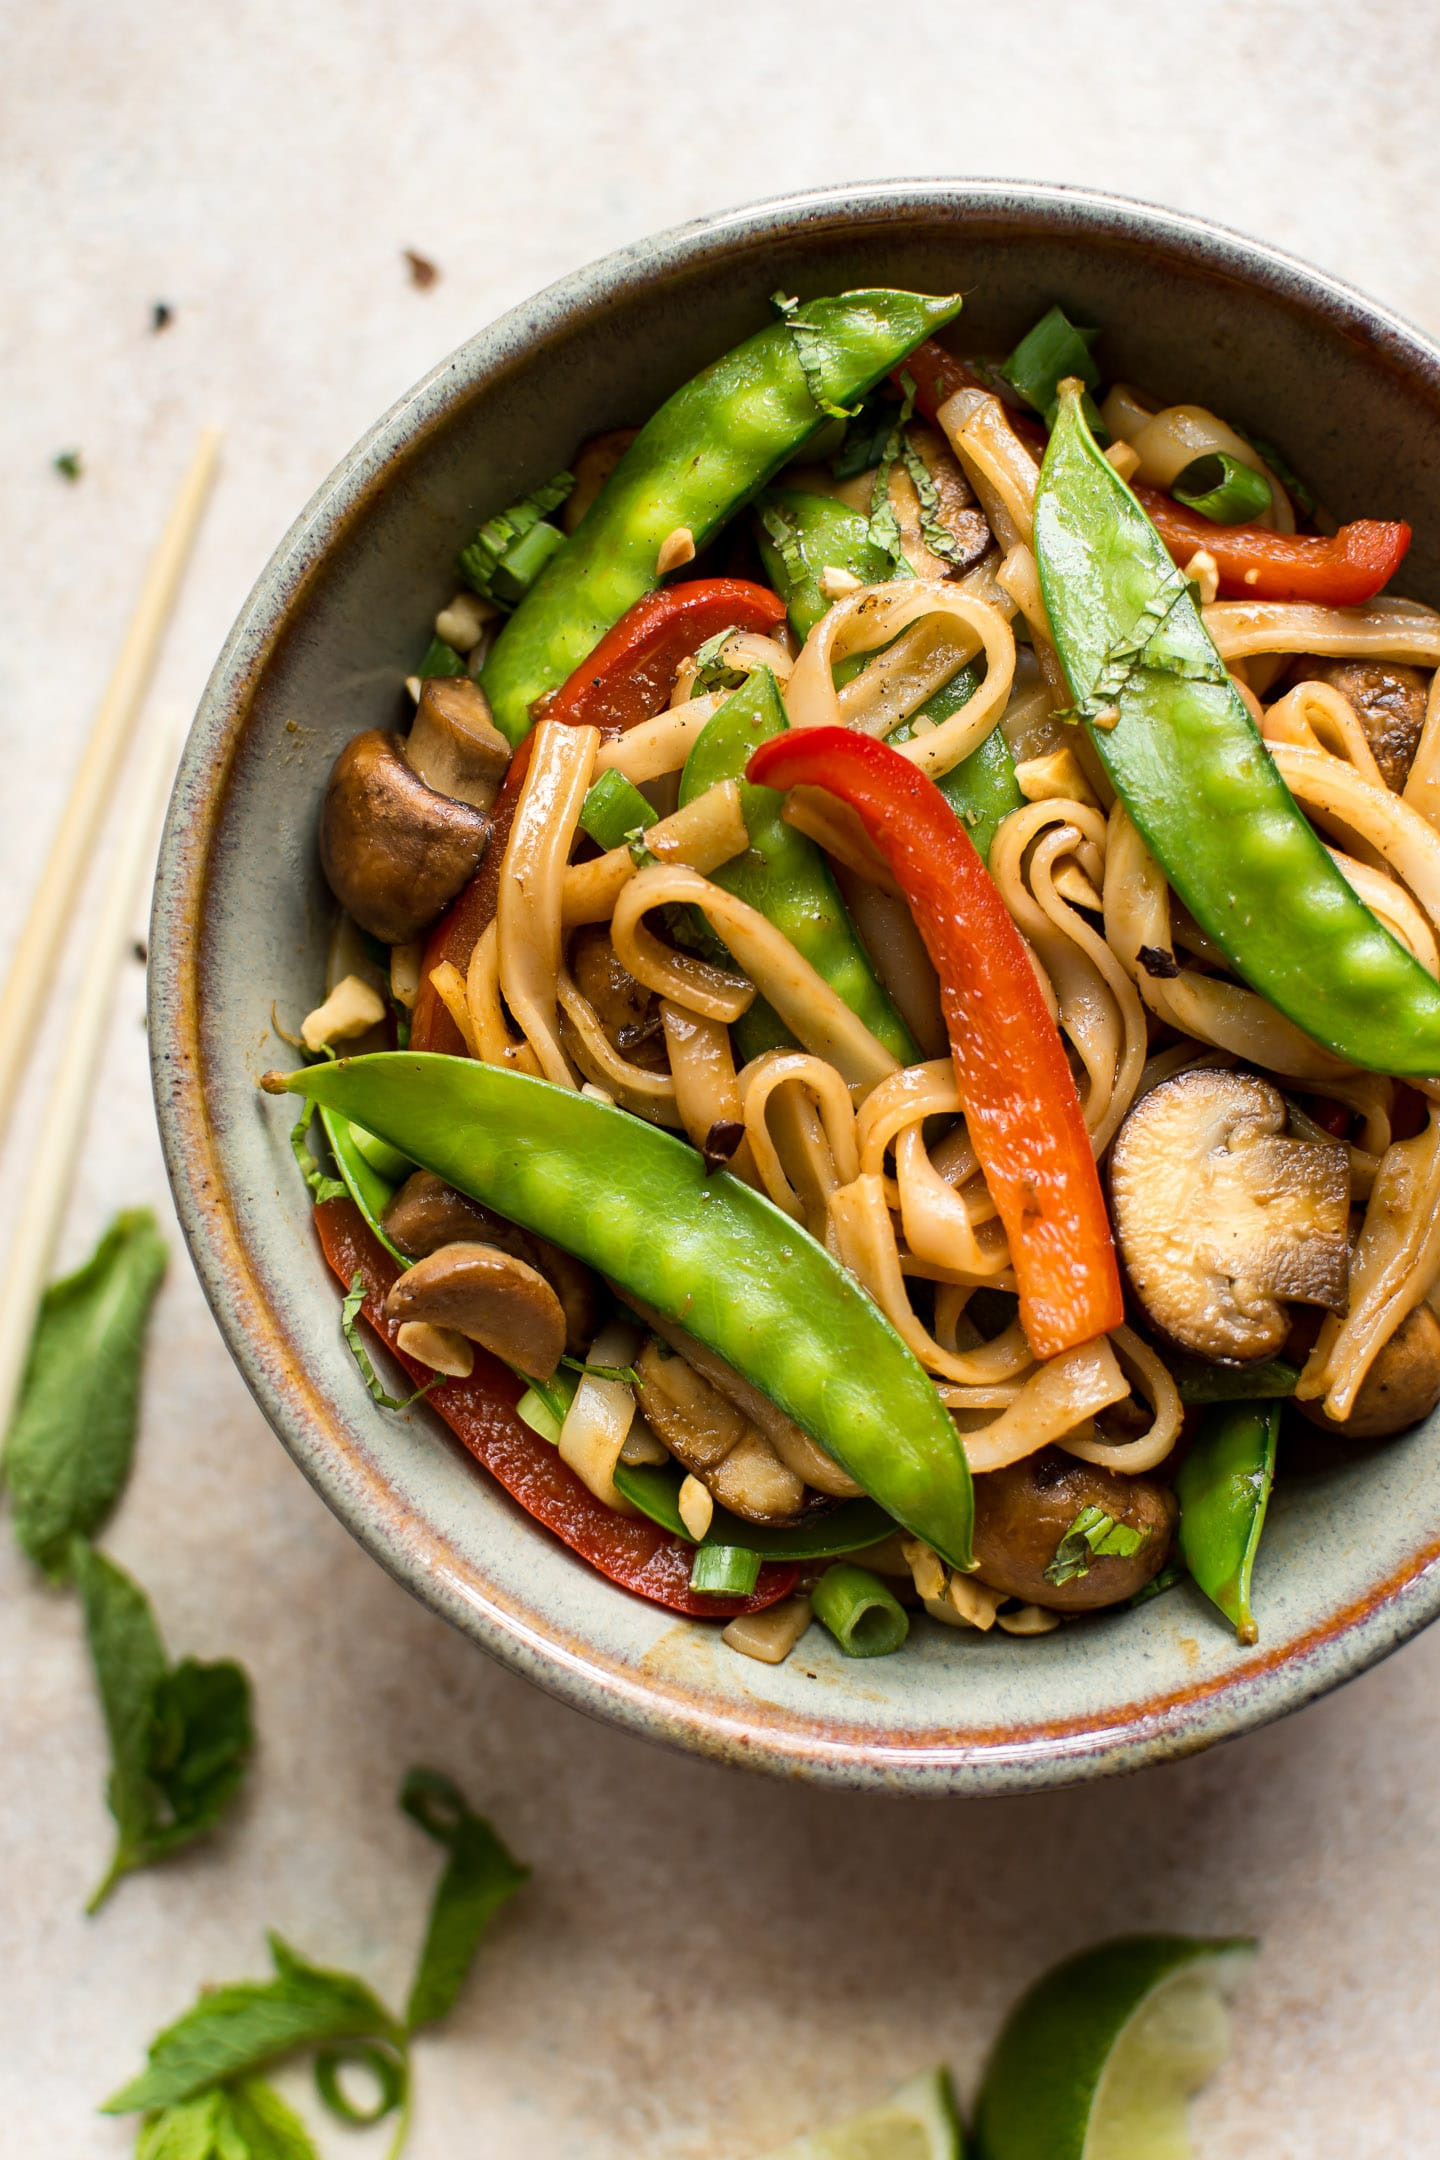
(859, 1611)
(1222, 489)
(724, 1570)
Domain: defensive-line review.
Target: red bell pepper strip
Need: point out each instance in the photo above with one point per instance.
(480, 1411)
(1345, 570)
(1021, 1105)
(626, 679)
(629, 675)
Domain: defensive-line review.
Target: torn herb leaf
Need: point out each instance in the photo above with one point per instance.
(68, 464)
(350, 1309)
(807, 326)
(936, 535)
(180, 1739)
(440, 659)
(321, 1187)
(244, 2121)
(625, 1374)
(1091, 1536)
(865, 438)
(712, 671)
(232, 2030)
(479, 1877)
(388, 2071)
(71, 1440)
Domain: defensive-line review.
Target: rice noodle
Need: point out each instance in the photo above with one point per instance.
(488, 1034)
(812, 1011)
(865, 1242)
(997, 464)
(795, 1072)
(1394, 1267)
(528, 910)
(648, 1094)
(1315, 716)
(1057, 1397)
(1166, 442)
(1422, 787)
(660, 745)
(1398, 834)
(1405, 631)
(706, 833)
(1131, 1457)
(702, 1067)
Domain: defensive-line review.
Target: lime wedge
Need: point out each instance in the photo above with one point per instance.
(917, 2122)
(1099, 2060)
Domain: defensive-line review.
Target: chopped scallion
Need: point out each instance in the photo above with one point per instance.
(1220, 488)
(543, 1405)
(724, 1571)
(613, 809)
(496, 548)
(859, 1611)
(440, 659)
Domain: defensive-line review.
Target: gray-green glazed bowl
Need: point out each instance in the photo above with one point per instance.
(1348, 1570)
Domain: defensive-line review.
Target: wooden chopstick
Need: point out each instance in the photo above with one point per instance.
(51, 911)
(52, 1161)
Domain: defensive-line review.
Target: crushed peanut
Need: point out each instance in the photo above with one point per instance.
(1203, 570)
(463, 622)
(676, 549)
(834, 582)
(1056, 778)
(1125, 460)
(351, 1009)
(1028, 1620)
(405, 962)
(696, 1507)
(927, 1569)
(769, 1636)
(441, 1348)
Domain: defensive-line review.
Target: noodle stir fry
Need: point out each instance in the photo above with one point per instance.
(885, 1013)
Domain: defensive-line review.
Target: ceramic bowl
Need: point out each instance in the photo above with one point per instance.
(241, 915)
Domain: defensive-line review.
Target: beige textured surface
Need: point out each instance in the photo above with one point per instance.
(703, 1963)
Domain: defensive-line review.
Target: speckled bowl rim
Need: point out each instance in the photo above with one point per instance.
(1158, 1727)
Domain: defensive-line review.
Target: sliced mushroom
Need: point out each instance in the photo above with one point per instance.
(426, 1213)
(1401, 1387)
(395, 853)
(1219, 1216)
(955, 506)
(496, 1300)
(791, 1443)
(1022, 1513)
(594, 464)
(454, 744)
(716, 1444)
(628, 1012)
(1389, 702)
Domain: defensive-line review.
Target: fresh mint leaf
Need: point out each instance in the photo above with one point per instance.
(233, 2030)
(884, 532)
(70, 1443)
(246, 2121)
(478, 1878)
(321, 1186)
(1091, 1536)
(350, 1308)
(712, 671)
(936, 535)
(179, 1740)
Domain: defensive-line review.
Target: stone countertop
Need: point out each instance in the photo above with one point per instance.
(704, 1963)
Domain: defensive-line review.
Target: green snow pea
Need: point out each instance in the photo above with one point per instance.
(655, 1488)
(695, 462)
(1224, 1490)
(636, 1205)
(371, 1192)
(784, 876)
(801, 535)
(1200, 1381)
(1188, 762)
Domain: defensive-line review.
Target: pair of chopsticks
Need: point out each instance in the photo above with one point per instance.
(30, 979)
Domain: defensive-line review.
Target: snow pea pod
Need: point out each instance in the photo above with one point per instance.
(740, 1276)
(371, 1192)
(655, 1487)
(1224, 1491)
(694, 463)
(785, 876)
(1189, 764)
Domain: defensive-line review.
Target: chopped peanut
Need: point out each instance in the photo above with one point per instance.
(676, 549)
(769, 1636)
(438, 1347)
(696, 1507)
(1056, 778)
(463, 622)
(351, 1009)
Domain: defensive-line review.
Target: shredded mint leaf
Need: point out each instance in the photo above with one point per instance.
(321, 1187)
(180, 1739)
(246, 2121)
(781, 529)
(865, 438)
(1132, 651)
(479, 1877)
(640, 854)
(487, 551)
(812, 350)
(884, 531)
(625, 1374)
(350, 1328)
(712, 672)
(232, 2030)
(70, 1443)
(937, 536)
(68, 464)
(1092, 1535)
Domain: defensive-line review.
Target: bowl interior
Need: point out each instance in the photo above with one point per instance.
(241, 918)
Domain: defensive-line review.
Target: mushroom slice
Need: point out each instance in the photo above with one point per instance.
(1401, 1387)
(791, 1442)
(454, 744)
(1388, 699)
(498, 1301)
(1219, 1215)
(714, 1441)
(395, 853)
(426, 1213)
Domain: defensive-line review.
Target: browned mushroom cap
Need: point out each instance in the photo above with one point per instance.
(713, 1440)
(1401, 1387)
(426, 1213)
(1218, 1215)
(395, 853)
(498, 1301)
(454, 744)
(1023, 1512)
(1389, 702)
(628, 1012)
